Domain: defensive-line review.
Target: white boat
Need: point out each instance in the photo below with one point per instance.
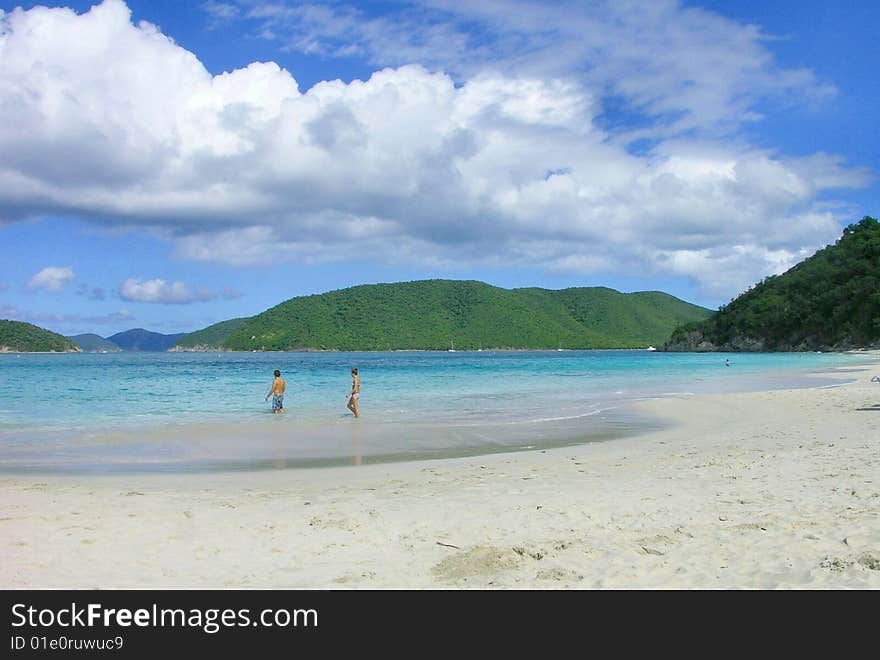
(451, 350)
(650, 348)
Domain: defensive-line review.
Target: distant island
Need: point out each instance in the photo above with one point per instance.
(19, 337)
(451, 314)
(93, 343)
(420, 315)
(144, 340)
(137, 339)
(424, 315)
(828, 302)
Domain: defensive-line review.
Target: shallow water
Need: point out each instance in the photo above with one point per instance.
(205, 411)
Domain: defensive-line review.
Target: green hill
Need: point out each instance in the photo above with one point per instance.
(18, 336)
(210, 338)
(432, 314)
(92, 342)
(830, 301)
(144, 340)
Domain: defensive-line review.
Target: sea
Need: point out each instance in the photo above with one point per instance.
(106, 413)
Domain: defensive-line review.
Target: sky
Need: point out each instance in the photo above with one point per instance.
(169, 165)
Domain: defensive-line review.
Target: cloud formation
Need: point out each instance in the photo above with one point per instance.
(160, 291)
(504, 166)
(56, 319)
(51, 278)
(92, 293)
(684, 67)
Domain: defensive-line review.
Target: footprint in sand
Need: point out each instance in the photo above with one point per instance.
(536, 554)
(479, 561)
(835, 564)
(334, 523)
(559, 575)
(346, 579)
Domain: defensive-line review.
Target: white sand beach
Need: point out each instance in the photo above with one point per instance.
(757, 491)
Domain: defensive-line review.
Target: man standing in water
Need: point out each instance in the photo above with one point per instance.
(277, 392)
(355, 393)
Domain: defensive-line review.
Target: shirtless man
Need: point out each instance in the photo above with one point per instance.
(355, 393)
(277, 392)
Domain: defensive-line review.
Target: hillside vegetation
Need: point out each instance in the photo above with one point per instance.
(434, 314)
(92, 342)
(830, 301)
(24, 337)
(144, 340)
(214, 336)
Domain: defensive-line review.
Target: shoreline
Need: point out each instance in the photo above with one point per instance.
(772, 489)
(647, 349)
(262, 442)
(340, 350)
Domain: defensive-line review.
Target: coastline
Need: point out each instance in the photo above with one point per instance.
(176, 349)
(216, 349)
(5, 350)
(750, 490)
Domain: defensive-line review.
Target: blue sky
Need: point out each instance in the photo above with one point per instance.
(152, 176)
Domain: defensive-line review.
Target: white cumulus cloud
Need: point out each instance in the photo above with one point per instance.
(51, 278)
(114, 122)
(160, 291)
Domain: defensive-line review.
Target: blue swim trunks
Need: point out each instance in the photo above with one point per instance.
(277, 402)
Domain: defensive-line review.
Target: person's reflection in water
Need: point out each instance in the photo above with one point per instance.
(356, 444)
(279, 458)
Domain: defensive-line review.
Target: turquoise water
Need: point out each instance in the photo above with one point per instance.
(152, 411)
